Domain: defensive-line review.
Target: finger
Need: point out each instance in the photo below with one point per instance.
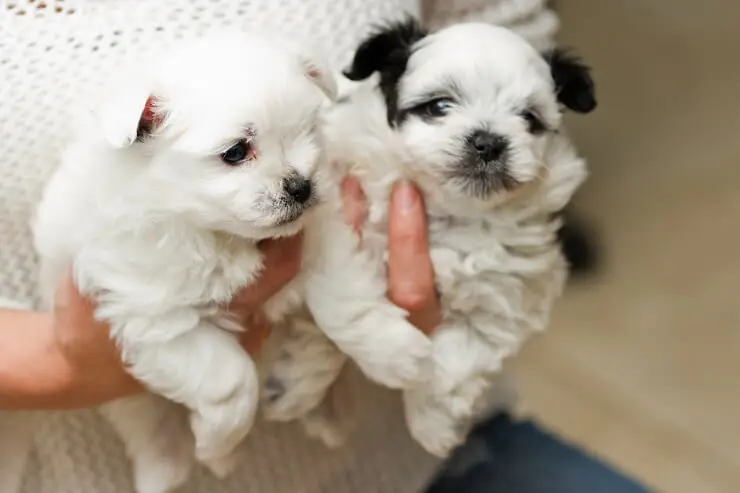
(354, 203)
(410, 272)
(258, 330)
(282, 260)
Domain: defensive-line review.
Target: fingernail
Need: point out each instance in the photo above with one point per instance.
(406, 196)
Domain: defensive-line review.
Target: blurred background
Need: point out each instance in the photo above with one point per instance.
(642, 362)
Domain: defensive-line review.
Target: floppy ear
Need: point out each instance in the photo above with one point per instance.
(315, 66)
(387, 51)
(130, 112)
(317, 70)
(391, 45)
(573, 82)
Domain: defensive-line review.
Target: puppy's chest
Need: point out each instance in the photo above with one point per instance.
(482, 267)
(233, 267)
(198, 270)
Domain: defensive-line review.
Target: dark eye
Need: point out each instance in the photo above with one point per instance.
(435, 108)
(238, 153)
(534, 123)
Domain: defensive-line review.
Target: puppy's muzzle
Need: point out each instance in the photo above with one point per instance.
(298, 188)
(484, 168)
(488, 146)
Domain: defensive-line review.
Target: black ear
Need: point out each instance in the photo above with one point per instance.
(387, 51)
(389, 44)
(573, 82)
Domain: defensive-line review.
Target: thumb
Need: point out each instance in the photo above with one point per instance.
(411, 283)
(410, 268)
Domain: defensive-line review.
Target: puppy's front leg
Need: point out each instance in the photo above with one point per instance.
(300, 380)
(158, 439)
(305, 367)
(346, 294)
(441, 412)
(206, 370)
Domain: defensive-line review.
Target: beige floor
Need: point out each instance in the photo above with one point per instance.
(642, 364)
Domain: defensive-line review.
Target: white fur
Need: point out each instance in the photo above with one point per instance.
(498, 265)
(162, 233)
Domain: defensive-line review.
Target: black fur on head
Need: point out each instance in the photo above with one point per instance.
(387, 51)
(573, 83)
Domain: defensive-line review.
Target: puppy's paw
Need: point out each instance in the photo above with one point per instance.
(158, 440)
(285, 400)
(320, 427)
(440, 420)
(468, 399)
(401, 357)
(300, 378)
(225, 414)
(167, 476)
(432, 425)
(223, 466)
(329, 421)
(165, 464)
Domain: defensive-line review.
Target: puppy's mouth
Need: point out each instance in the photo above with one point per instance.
(289, 218)
(290, 213)
(484, 166)
(481, 179)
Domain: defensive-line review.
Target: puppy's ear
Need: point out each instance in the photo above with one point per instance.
(318, 71)
(573, 82)
(315, 66)
(130, 112)
(387, 52)
(391, 45)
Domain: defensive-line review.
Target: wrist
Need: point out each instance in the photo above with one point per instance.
(84, 379)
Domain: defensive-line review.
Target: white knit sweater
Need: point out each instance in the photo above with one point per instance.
(53, 53)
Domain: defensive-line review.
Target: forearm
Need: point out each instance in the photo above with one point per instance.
(33, 373)
(36, 375)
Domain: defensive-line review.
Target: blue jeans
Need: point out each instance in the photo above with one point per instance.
(508, 456)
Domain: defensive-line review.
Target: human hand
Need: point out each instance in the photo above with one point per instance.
(282, 261)
(96, 372)
(411, 283)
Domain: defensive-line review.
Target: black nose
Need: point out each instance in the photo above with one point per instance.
(298, 188)
(489, 146)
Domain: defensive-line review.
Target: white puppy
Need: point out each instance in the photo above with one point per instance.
(472, 114)
(158, 207)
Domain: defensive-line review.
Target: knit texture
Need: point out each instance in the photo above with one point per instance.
(53, 55)
(532, 19)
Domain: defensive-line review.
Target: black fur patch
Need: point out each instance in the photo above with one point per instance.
(387, 51)
(580, 246)
(573, 82)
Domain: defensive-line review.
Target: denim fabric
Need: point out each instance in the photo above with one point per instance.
(507, 456)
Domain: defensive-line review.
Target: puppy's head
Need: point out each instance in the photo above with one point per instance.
(473, 103)
(223, 132)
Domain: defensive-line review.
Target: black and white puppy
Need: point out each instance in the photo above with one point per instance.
(473, 115)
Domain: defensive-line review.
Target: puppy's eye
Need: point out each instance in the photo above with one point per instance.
(534, 123)
(435, 108)
(238, 153)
